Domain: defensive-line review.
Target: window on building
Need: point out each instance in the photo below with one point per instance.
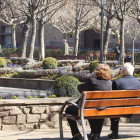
(7, 29)
(70, 36)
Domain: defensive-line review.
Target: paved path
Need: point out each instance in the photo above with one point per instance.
(127, 132)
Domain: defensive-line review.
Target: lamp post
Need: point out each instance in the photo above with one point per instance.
(102, 3)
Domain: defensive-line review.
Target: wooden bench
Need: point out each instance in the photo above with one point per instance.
(117, 102)
(14, 55)
(72, 57)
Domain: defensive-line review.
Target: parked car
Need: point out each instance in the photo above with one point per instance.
(49, 47)
(11, 46)
(111, 49)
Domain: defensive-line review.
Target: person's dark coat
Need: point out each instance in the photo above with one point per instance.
(92, 84)
(125, 83)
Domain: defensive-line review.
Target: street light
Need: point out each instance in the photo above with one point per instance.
(102, 3)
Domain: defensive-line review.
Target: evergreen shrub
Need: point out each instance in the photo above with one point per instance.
(93, 65)
(66, 86)
(49, 63)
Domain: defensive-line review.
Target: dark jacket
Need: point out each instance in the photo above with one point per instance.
(117, 49)
(94, 84)
(126, 83)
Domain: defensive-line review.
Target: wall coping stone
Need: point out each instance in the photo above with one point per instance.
(41, 101)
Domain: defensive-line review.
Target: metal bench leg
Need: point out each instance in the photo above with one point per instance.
(61, 128)
(84, 128)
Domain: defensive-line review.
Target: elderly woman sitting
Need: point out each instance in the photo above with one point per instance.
(100, 82)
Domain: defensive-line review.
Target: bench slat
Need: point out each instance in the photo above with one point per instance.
(111, 102)
(111, 94)
(111, 111)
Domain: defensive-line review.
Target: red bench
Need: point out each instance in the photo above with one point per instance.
(66, 57)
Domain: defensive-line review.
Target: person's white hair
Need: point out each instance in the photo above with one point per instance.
(128, 69)
(64, 40)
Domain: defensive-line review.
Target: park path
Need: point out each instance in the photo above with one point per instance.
(127, 132)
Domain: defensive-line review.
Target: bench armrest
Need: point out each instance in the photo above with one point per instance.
(68, 102)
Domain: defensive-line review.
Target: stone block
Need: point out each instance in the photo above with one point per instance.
(15, 111)
(9, 120)
(9, 107)
(26, 110)
(1, 108)
(33, 118)
(30, 126)
(50, 124)
(10, 127)
(44, 117)
(43, 126)
(38, 110)
(55, 108)
(21, 119)
(4, 113)
(0, 123)
(47, 110)
(54, 117)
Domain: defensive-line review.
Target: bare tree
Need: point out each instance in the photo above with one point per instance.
(50, 8)
(11, 16)
(30, 8)
(121, 9)
(132, 28)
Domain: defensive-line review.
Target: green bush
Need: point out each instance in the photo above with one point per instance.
(49, 63)
(66, 86)
(2, 62)
(93, 65)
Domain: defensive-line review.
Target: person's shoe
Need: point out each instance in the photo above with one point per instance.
(93, 136)
(78, 137)
(113, 136)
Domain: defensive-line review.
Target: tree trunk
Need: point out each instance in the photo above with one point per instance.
(33, 36)
(24, 38)
(122, 42)
(106, 37)
(76, 43)
(133, 62)
(14, 36)
(41, 42)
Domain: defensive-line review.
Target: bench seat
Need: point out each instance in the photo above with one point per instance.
(103, 104)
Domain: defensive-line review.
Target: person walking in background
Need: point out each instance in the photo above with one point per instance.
(117, 51)
(128, 58)
(65, 48)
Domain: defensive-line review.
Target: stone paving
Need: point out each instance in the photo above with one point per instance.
(127, 132)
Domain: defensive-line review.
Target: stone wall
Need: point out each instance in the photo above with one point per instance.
(21, 114)
(30, 113)
(41, 84)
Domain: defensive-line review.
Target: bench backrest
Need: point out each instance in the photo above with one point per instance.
(118, 102)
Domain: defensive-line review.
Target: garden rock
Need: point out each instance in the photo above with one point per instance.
(33, 65)
(111, 63)
(81, 66)
(16, 60)
(115, 72)
(44, 117)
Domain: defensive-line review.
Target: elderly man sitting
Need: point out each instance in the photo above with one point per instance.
(126, 82)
